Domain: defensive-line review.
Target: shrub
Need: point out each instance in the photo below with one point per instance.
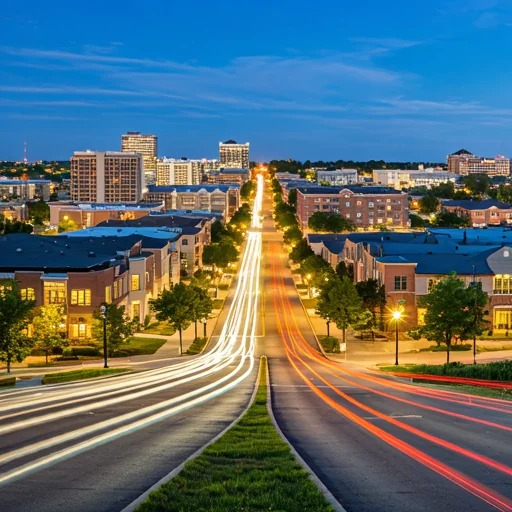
(85, 351)
(330, 344)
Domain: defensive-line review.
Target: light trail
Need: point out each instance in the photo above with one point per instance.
(295, 344)
(236, 343)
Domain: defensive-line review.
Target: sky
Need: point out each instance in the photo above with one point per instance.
(331, 79)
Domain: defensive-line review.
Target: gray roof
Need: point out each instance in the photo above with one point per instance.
(155, 189)
(230, 170)
(468, 204)
(170, 221)
(315, 189)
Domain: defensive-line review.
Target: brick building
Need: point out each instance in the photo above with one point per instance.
(482, 213)
(364, 206)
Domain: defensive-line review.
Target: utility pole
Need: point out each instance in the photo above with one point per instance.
(474, 317)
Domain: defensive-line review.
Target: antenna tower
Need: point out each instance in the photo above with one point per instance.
(25, 153)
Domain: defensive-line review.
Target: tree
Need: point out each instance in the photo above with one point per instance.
(365, 322)
(416, 221)
(13, 226)
(292, 198)
(220, 254)
(118, 324)
(67, 225)
(47, 331)
(15, 316)
(318, 268)
(329, 222)
(478, 184)
(177, 307)
(343, 270)
(429, 204)
(218, 229)
(247, 189)
(446, 219)
(292, 235)
(449, 313)
(301, 251)
(202, 305)
(38, 211)
(340, 303)
(373, 296)
(477, 301)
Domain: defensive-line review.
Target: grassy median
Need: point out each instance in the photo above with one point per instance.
(250, 468)
(56, 378)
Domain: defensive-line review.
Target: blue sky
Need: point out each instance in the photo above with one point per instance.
(325, 80)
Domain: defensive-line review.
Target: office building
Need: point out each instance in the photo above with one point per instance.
(481, 213)
(233, 155)
(106, 177)
(25, 190)
(145, 145)
(400, 179)
(170, 171)
(464, 163)
(364, 206)
(337, 178)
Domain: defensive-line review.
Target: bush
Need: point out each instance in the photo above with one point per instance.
(330, 344)
(85, 351)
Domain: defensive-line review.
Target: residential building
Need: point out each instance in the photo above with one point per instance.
(81, 273)
(233, 155)
(400, 179)
(14, 210)
(195, 234)
(106, 177)
(25, 190)
(234, 176)
(178, 172)
(145, 145)
(207, 198)
(88, 215)
(464, 163)
(482, 213)
(364, 206)
(337, 178)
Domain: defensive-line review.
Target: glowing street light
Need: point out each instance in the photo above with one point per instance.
(396, 316)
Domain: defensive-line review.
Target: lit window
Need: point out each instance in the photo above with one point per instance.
(108, 294)
(80, 297)
(347, 203)
(27, 294)
(54, 292)
(147, 277)
(135, 282)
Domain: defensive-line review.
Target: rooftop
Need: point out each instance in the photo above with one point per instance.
(151, 237)
(155, 189)
(468, 204)
(316, 190)
(462, 152)
(233, 171)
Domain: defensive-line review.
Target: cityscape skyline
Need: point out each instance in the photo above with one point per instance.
(379, 89)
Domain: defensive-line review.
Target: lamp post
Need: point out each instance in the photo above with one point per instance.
(308, 279)
(103, 313)
(204, 327)
(396, 315)
(328, 323)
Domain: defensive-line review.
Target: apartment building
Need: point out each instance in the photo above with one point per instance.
(337, 178)
(178, 172)
(364, 206)
(90, 214)
(147, 147)
(25, 190)
(106, 177)
(482, 213)
(233, 155)
(463, 163)
(207, 198)
(81, 273)
(408, 264)
(400, 179)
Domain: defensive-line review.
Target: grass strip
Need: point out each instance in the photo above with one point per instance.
(139, 346)
(498, 370)
(504, 394)
(196, 347)
(55, 378)
(249, 468)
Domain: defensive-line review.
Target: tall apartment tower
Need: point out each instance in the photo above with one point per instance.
(106, 177)
(454, 160)
(233, 155)
(147, 146)
(464, 163)
(170, 171)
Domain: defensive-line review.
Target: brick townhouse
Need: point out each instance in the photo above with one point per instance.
(482, 213)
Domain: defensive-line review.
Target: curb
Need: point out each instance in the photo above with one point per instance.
(176, 471)
(336, 505)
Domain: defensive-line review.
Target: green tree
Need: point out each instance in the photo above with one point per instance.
(446, 219)
(301, 251)
(365, 322)
(373, 296)
(220, 254)
(429, 204)
(416, 221)
(47, 330)
(67, 225)
(119, 326)
(477, 301)
(248, 188)
(478, 184)
(292, 235)
(448, 315)
(343, 270)
(39, 212)
(340, 303)
(202, 305)
(13, 226)
(177, 307)
(329, 222)
(15, 316)
(292, 198)
(318, 268)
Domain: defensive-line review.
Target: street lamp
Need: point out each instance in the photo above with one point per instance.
(328, 322)
(308, 279)
(396, 315)
(103, 313)
(204, 327)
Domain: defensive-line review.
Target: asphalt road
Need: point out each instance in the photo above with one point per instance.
(379, 445)
(98, 445)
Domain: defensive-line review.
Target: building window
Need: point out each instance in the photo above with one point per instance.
(80, 328)
(503, 319)
(108, 294)
(359, 215)
(147, 277)
(54, 292)
(184, 242)
(400, 283)
(28, 293)
(135, 282)
(347, 215)
(136, 309)
(502, 284)
(347, 204)
(80, 297)
(371, 204)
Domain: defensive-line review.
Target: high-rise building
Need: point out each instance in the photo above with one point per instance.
(170, 171)
(106, 177)
(463, 162)
(145, 145)
(233, 155)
